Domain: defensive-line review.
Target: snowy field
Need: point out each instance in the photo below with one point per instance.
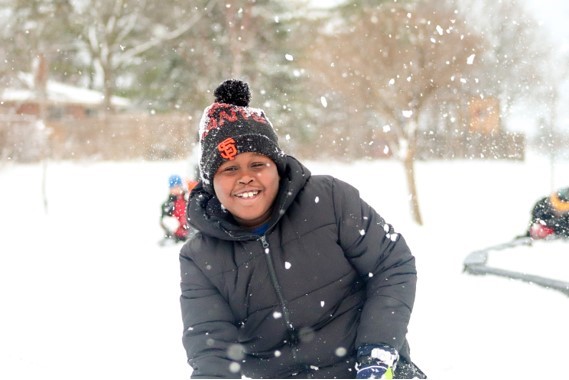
(86, 292)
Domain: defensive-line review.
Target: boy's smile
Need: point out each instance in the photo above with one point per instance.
(247, 187)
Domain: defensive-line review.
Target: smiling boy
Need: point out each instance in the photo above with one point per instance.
(289, 274)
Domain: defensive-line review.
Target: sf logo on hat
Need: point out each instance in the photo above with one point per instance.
(227, 148)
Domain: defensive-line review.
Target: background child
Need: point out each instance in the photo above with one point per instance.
(173, 218)
(550, 216)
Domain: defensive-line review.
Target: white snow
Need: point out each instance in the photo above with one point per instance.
(86, 292)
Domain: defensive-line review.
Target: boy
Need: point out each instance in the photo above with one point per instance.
(289, 275)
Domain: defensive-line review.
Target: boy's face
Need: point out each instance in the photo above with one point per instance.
(247, 187)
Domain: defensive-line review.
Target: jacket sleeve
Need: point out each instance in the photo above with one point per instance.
(383, 260)
(210, 334)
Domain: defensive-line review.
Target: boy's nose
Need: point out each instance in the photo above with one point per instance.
(246, 179)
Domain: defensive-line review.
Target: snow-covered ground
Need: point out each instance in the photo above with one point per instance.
(86, 292)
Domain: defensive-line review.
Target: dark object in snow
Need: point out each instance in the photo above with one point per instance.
(550, 216)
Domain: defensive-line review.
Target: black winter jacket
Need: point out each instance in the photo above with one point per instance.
(328, 276)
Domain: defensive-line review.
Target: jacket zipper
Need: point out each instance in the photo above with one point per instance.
(293, 336)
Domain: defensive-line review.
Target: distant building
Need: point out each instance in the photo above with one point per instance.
(62, 101)
(479, 135)
(39, 115)
(484, 115)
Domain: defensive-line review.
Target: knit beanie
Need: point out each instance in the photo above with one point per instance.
(174, 180)
(229, 127)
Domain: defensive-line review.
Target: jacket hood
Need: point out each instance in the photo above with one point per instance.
(206, 214)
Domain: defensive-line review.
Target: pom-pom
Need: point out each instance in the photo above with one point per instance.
(233, 91)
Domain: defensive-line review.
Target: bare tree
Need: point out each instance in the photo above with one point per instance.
(391, 62)
(116, 33)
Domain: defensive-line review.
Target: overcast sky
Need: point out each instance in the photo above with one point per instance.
(553, 15)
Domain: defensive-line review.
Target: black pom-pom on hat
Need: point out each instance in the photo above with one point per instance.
(233, 91)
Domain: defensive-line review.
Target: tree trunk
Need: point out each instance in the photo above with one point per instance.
(40, 88)
(108, 89)
(409, 164)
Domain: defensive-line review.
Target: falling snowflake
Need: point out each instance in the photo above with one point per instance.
(287, 265)
(323, 101)
(234, 367)
(341, 351)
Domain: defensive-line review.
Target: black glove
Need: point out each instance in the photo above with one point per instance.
(376, 361)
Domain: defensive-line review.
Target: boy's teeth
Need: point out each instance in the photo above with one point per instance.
(248, 194)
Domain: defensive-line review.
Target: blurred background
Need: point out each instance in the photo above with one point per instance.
(407, 80)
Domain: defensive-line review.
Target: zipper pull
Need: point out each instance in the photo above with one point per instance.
(265, 244)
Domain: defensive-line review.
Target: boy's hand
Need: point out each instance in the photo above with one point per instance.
(376, 362)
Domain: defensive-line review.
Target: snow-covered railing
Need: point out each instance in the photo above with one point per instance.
(475, 263)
